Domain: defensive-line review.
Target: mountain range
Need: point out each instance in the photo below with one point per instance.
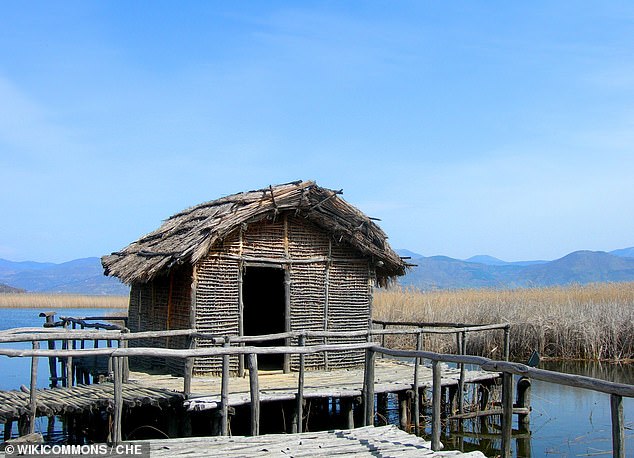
(441, 272)
(85, 276)
(80, 276)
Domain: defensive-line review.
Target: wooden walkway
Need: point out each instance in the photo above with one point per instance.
(80, 398)
(391, 376)
(369, 441)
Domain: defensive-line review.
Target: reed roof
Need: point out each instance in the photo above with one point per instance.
(188, 236)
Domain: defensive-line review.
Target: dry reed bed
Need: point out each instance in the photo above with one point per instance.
(60, 301)
(592, 322)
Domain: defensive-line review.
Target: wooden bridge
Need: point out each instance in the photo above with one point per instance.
(410, 380)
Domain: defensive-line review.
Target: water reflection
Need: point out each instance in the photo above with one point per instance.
(564, 422)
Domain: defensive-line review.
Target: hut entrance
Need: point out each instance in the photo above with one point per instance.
(264, 309)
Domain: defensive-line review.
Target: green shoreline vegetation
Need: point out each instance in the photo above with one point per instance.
(578, 322)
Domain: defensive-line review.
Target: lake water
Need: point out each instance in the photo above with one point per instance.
(565, 422)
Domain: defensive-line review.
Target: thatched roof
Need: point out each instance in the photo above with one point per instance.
(189, 235)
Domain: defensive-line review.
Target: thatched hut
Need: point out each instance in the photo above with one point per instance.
(290, 257)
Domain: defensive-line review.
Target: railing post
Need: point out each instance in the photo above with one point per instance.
(507, 342)
(368, 388)
(416, 382)
(300, 385)
(224, 393)
(618, 432)
(254, 389)
(507, 413)
(462, 351)
(117, 366)
(435, 422)
(33, 391)
(384, 325)
(189, 371)
(524, 401)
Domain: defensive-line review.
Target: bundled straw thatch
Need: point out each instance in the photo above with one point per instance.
(188, 236)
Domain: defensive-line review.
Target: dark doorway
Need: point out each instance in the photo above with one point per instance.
(264, 309)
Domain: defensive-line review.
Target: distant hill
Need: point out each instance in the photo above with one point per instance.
(85, 276)
(80, 276)
(624, 252)
(441, 272)
(6, 289)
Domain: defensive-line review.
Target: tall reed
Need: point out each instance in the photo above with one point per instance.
(593, 322)
(57, 301)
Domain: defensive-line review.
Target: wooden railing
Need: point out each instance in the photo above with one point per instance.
(119, 355)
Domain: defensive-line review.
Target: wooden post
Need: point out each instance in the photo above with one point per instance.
(189, 371)
(117, 366)
(241, 305)
(507, 343)
(507, 413)
(347, 406)
(254, 389)
(403, 401)
(618, 432)
(523, 400)
(125, 365)
(384, 326)
(300, 386)
(287, 315)
(368, 388)
(224, 393)
(33, 391)
(416, 413)
(462, 339)
(8, 426)
(435, 423)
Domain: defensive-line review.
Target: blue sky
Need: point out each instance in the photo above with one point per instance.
(503, 128)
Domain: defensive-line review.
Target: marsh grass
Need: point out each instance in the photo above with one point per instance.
(591, 322)
(58, 301)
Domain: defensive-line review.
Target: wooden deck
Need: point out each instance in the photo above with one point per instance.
(81, 398)
(384, 441)
(391, 376)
